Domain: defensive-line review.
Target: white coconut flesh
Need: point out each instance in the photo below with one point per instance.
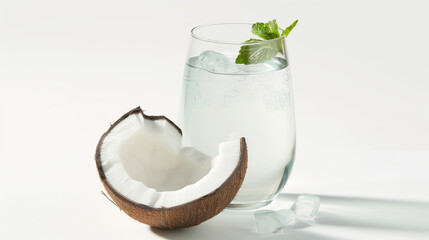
(143, 160)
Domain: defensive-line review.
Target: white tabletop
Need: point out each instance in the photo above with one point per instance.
(69, 68)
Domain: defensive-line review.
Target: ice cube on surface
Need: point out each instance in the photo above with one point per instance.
(306, 207)
(214, 62)
(286, 216)
(267, 221)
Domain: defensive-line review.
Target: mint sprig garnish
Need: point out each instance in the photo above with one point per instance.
(288, 29)
(251, 54)
(269, 30)
(254, 40)
(259, 53)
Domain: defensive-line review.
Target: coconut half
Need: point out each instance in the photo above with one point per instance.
(154, 180)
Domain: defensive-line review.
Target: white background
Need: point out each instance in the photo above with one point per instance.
(70, 67)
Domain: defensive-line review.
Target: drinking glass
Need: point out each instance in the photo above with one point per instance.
(223, 101)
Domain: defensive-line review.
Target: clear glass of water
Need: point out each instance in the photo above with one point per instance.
(224, 101)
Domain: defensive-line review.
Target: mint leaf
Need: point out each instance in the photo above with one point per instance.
(259, 53)
(269, 30)
(288, 29)
(254, 40)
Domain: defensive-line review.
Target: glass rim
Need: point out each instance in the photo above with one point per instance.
(196, 36)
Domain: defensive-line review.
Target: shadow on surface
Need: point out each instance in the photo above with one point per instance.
(236, 225)
(225, 227)
(370, 213)
(334, 211)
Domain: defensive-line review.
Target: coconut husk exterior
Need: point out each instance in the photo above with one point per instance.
(185, 215)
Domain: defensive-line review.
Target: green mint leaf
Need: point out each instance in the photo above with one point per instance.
(267, 31)
(288, 29)
(254, 40)
(259, 53)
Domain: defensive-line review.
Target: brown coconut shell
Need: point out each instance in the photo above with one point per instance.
(181, 216)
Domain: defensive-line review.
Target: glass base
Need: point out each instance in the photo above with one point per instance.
(252, 205)
(247, 206)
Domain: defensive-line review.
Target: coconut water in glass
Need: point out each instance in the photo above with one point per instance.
(224, 101)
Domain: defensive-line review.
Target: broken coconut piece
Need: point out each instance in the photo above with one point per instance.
(154, 180)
